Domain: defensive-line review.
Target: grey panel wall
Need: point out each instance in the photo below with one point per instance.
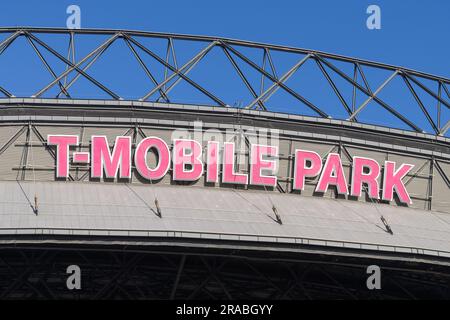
(23, 155)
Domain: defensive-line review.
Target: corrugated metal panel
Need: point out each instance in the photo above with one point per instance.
(418, 187)
(110, 133)
(441, 192)
(46, 130)
(104, 206)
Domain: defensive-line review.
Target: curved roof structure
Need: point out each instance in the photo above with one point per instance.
(200, 215)
(214, 239)
(186, 69)
(120, 212)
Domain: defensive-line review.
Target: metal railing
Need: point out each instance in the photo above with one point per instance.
(279, 239)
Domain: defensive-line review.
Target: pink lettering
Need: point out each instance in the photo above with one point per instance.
(332, 174)
(181, 158)
(359, 177)
(212, 160)
(62, 143)
(393, 180)
(228, 173)
(301, 170)
(258, 164)
(102, 159)
(163, 158)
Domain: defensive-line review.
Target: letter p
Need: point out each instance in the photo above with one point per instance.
(302, 170)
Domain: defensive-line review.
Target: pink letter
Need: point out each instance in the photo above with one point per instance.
(228, 174)
(102, 158)
(62, 143)
(212, 162)
(333, 174)
(181, 158)
(163, 156)
(81, 157)
(300, 169)
(393, 180)
(257, 163)
(371, 178)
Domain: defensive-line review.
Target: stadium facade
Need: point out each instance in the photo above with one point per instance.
(99, 182)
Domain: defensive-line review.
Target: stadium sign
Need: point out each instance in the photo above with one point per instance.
(189, 163)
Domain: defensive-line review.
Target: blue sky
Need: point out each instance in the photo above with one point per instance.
(413, 33)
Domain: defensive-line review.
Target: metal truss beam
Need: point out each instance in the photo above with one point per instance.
(239, 58)
(122, 274)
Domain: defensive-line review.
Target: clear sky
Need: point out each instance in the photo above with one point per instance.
(413, 33)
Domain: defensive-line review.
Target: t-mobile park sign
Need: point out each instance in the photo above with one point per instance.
(189, 163)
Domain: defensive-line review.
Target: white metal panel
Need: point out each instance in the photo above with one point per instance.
(102, 206)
